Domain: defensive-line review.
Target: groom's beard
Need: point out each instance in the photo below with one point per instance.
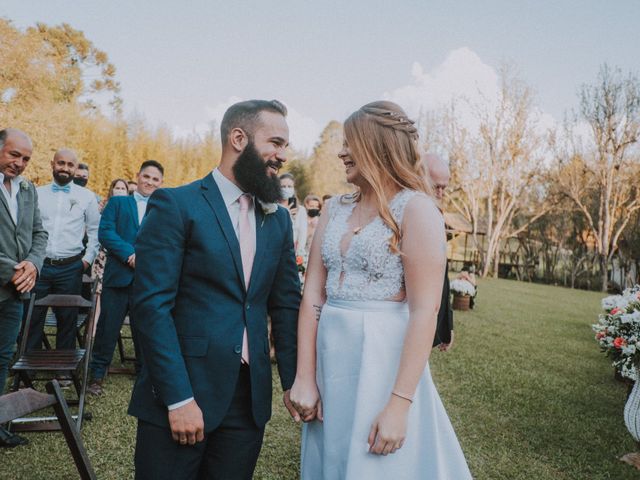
(251, 173)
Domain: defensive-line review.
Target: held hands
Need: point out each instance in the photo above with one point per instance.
(445, 347)
(187, 424)
(306, 400)
(25, 277)
(287, 403)
(389, 429)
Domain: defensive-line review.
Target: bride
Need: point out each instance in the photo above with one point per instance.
(368, 317)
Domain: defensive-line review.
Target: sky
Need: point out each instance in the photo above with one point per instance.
(182, 64)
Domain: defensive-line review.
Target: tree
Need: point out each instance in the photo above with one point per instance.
(326, 169)
(496, 167)
(601, 178)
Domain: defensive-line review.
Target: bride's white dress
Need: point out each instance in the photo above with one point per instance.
(359, 342)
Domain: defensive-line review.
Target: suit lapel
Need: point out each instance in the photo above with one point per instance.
(212, 195)
(134, 212)
(6, 206)
(22, 200)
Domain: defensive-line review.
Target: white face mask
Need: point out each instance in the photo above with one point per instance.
(287, 192)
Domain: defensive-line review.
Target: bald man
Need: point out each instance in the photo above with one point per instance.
(68, 211)
(439, 176)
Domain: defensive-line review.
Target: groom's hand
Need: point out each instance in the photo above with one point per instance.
(287, 403)
(186, 423)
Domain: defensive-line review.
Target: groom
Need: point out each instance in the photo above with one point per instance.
(213, 259)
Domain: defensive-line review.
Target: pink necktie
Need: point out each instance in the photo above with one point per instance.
(247, 250)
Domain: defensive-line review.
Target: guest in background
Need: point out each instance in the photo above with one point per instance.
(81, 177)
(22, 243)
(313, 206)
(325, 198)
(438, 178)
(133, 186)
(298, 212)
(118, 188)
(68, 211)
(119, 226)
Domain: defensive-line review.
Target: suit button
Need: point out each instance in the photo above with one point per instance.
(238, 349)
(248, 306)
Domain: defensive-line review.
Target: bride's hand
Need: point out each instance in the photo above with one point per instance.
(306, 399)
(389, 429)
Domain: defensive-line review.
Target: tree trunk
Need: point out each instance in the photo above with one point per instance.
(603, 272)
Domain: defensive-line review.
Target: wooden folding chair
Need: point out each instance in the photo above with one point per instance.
(27, 401)
(51, 321)
(38, 364)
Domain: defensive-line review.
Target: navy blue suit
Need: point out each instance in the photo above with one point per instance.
(191, 307)
(117, 234)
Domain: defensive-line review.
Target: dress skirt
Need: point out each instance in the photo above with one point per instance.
(359, 344)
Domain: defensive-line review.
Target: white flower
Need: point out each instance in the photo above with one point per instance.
(630, 317)
(24, 185)
(629, 349)
(462, 287)
(268, 208)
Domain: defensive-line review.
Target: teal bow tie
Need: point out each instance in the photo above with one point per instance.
(58, 188)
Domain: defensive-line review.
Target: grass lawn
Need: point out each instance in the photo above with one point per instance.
(527, 390)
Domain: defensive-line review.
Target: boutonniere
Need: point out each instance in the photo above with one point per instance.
(72, 203)
(24, 185)
(267, 209)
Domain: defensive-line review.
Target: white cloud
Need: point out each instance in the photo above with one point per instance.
(462, 74)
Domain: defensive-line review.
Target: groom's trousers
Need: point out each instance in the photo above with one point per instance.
(229, 452)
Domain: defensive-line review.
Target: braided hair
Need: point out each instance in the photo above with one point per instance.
(383, 142)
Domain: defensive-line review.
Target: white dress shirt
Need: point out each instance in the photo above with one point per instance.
(12, 198)
(66, 217)
(231, 194)
(141, 204)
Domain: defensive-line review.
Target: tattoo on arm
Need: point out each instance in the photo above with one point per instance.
(318, 309)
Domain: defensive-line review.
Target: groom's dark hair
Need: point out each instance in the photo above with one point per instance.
(246, 115)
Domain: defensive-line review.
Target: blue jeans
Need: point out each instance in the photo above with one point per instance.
(10, 320)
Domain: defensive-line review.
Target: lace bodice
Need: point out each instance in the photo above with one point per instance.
(369, 270)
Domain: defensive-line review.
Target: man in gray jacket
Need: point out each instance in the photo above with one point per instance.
(22, 246)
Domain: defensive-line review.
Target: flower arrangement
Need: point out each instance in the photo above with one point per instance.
(462, 287)
(301, 263)
(618, 331)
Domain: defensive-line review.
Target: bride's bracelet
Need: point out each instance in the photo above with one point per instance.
(404, 397)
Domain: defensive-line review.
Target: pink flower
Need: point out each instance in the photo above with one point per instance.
(616, 310)
(619, 342)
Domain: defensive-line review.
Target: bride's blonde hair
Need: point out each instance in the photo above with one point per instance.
(383, 142)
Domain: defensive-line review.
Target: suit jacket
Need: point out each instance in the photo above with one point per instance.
(117, 234)
(445, 314)
(191, 306)
(25, 241)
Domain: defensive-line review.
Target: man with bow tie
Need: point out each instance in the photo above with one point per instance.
(68, 212)
(119, 226)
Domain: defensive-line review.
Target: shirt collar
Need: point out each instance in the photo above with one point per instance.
(230, 191)
(140, 198)
(15, 181)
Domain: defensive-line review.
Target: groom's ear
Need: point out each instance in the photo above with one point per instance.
(238, 139)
